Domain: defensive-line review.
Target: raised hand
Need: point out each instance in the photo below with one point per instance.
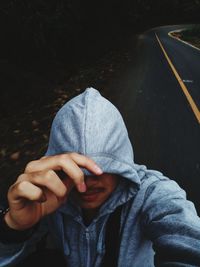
(40, 191)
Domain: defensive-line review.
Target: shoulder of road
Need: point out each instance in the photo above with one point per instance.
(191, 40)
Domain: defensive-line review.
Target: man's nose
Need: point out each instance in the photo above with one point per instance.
(91, 179)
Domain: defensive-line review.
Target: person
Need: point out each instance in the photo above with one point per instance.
(101, 208)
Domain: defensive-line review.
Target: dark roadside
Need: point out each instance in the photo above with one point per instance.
(190, 35)
(26, 119)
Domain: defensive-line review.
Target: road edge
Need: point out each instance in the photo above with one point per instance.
(179, 39)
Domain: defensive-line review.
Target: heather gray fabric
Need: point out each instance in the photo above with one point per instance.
(91, 125)
(156, 220)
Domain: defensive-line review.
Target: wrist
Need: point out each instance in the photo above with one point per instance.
(11, 223)
(13, 235)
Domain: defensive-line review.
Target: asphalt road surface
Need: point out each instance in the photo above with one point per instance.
(164, 130)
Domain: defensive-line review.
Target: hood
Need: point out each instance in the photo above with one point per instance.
(91, 125)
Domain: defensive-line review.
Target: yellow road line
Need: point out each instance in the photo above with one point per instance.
(183, 87)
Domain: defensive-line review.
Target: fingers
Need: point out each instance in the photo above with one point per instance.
(39, 180)
(27, 190)
(69, 163)
(30, 200)
(58, 162)
(86, 162)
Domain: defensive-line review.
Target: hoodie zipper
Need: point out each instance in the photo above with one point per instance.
(87, 234)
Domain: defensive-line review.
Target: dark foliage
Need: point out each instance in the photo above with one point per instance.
(41, 29)
(41, 37)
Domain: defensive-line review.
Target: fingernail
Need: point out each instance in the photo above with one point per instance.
(98, 170)
(82, 187)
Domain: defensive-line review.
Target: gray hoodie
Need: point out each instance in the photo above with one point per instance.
(158, 226)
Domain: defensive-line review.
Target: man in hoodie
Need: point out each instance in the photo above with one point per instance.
(105, 210)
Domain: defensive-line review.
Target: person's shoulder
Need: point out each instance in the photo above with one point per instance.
(157, 184)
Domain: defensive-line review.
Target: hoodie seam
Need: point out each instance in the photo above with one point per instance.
(85, 123)
(107, 155)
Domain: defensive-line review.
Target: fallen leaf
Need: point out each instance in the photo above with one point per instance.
(15, 156)
(45, 136)
(35, 123)
(65, 96)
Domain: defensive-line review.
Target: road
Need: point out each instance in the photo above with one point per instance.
(163, 127)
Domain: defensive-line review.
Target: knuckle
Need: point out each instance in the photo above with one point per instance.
(44, 157)
(30, 166)
(49, 175)
(21, 177)
(84, 159)
(80, 177)
(73, 154)
(22, 186)
(63, 159)
(63, 192)
(89, 161)
(37, 194)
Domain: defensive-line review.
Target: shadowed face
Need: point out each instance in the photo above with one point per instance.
(99, 188)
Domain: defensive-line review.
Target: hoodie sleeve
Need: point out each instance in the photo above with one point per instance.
(12, 253)
(171, 223)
